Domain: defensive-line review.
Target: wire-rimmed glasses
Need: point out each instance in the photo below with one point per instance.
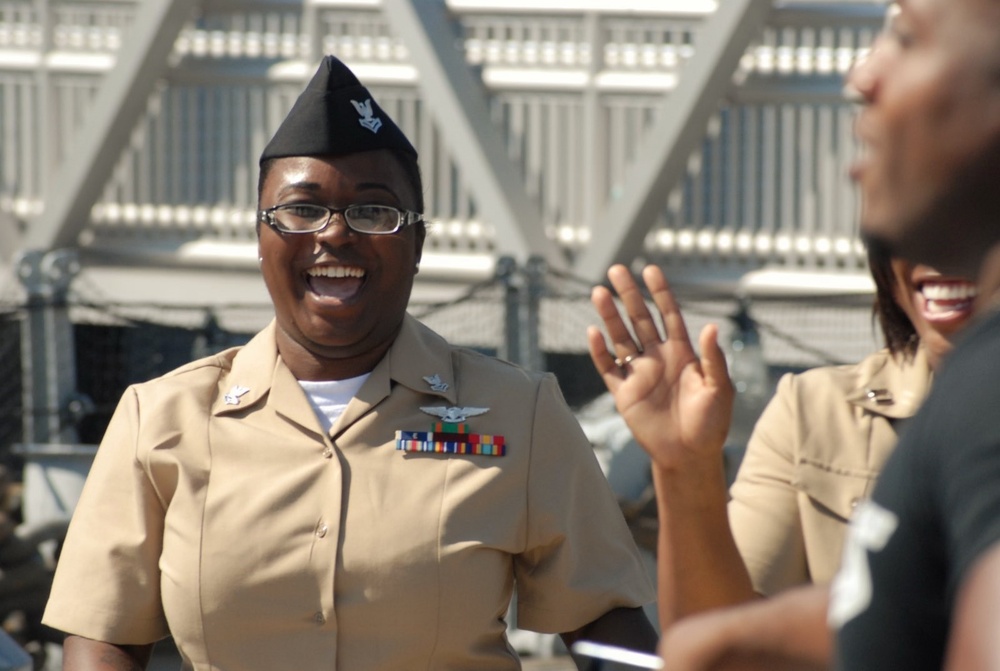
(313, 218)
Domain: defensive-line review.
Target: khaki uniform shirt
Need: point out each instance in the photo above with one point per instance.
(217, 510)
(815, 452)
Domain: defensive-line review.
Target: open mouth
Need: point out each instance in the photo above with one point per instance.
(339, 283)
(946, 299)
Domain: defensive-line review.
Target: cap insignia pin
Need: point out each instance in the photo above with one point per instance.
(368, 119)
(233, 397)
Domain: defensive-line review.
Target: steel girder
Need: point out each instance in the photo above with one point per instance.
(123, 95)
(459, 103)
(681, 124)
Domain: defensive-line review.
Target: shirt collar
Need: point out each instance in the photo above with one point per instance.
(259, 370)
(894, 389)
(416, 353)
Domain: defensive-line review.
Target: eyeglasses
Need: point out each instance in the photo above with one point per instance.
(310, 218)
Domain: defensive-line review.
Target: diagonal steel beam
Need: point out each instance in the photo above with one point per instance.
(680, 127)
(458, 101)
(121, 99)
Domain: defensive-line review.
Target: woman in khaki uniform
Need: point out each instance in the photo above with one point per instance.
(347, 491)
(815, 451)
(821, 442)
(814, 454)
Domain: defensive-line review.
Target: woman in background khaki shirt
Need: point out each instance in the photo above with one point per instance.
(816, 450)
(821, 442)
(347, 491)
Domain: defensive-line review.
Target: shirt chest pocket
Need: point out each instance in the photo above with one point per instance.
(831, 490)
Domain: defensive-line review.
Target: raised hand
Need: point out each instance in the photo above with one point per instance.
(677, 406)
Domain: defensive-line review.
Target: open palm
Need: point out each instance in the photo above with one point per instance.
(677, 405)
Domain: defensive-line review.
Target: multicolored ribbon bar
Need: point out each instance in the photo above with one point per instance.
(451, 427)
(442, 442)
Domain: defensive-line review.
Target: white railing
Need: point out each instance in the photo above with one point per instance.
(768, 186)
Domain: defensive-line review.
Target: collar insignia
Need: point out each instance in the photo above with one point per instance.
(879, 396)
(233, 397)
(435, 382)
(368, 119)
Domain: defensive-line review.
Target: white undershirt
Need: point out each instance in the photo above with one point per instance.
(330, 398)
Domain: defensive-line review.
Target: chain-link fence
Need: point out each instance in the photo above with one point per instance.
(11, 409)
(117, 345)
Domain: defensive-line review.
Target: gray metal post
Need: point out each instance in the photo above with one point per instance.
(48, 360)
(595, 147)
(523, 290)
(531, 347)
(507, 275)
(311, 29)
(47, 151)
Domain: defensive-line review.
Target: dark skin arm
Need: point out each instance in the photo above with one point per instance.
(623, 627)
(973, 643)
(678, 405)
(84, 654)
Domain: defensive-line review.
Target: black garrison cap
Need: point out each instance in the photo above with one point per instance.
(335, 115)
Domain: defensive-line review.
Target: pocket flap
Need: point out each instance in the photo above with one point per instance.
(838, 490)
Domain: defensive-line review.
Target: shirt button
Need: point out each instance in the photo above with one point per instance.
(319, 618)
(328, 453)
(322, 529)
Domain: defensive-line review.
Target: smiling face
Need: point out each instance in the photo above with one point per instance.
(938, 306)
(931, 132)
(339, 296)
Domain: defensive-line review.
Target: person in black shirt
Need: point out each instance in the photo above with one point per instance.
(920, 583)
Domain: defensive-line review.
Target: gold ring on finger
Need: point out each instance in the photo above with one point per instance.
(621, 363)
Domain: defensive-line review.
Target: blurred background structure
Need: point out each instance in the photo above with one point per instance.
(711, 137)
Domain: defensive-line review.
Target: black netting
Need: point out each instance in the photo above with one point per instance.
(10, 383)
(793, 334)
(109, 358)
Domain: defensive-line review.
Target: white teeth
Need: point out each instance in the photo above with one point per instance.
(335, 271)
(948, 291)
